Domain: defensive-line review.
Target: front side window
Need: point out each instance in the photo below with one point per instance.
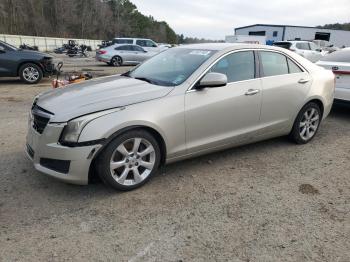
(137, 49)
(303, 46)
(141, 42)
(237, 66)
(273, 64)
(150, 43)
(171, 67)
(313, 47)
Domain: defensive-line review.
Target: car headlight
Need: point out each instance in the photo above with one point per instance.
(74, 127)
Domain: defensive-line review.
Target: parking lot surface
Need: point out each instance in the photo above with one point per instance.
(269, 201)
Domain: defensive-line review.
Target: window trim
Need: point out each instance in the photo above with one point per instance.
(257, 62)
(262, 74)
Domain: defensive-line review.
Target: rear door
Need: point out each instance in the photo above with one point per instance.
(126, 53)
(225, 115)
(285, 85)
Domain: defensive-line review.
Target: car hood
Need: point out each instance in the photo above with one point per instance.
(97, 95)
(25, 52)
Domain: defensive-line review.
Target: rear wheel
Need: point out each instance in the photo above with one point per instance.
(116, 61)
(130, 160)
(30, 73)
(306, 124)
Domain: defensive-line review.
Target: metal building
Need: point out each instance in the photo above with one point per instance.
(288, 32)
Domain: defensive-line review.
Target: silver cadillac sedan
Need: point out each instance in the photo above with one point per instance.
(184, 102)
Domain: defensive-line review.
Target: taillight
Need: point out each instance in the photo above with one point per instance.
(102, 52)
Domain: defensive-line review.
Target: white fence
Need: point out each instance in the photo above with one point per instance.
(45, 43)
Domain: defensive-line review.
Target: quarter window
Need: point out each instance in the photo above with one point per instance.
(293, 67)
(273, 64)
(236, 66)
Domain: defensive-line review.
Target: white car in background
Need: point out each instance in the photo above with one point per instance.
(147, 44)
(304, 48)
(339, 63)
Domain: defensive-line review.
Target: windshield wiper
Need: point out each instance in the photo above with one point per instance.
(146, 80)
(127, 74)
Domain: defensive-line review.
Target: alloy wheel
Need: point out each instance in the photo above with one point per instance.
(132, 161)
(309, 124)
(31, 74)
(116, 61)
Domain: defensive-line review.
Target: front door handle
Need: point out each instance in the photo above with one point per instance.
(303, 81)
(252, 92)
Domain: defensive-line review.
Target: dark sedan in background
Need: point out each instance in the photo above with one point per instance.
(30, 66)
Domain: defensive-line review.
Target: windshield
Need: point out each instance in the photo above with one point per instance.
(171, 67)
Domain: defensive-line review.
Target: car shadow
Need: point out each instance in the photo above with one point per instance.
(340, 110)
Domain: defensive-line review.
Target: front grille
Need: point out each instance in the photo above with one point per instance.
(41, 118)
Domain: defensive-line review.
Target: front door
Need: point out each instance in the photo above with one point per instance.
(220, 116)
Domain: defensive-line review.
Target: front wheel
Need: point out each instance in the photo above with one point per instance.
(306, 124)
(130, 160)
(30, 73)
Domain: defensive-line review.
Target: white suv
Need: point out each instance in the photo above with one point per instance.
(147, 44)
(304, 48)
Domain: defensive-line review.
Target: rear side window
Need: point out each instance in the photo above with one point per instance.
(303, 46)
(236, 66)
(123, 47)
(273, 64)
(293, 67)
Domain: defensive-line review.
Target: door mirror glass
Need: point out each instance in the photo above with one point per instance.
(2, 49)
(212, 80)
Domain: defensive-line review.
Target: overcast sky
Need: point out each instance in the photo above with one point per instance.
(213, 19)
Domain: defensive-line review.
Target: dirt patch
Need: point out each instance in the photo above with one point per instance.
(308, 189)
(11, 99)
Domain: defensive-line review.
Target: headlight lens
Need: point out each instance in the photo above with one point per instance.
(73, 129)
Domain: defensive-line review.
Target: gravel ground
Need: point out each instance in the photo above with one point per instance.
(270, 201)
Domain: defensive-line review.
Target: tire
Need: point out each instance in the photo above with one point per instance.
(116, 61)
(306, 124)
(30, 73)
(132, 166)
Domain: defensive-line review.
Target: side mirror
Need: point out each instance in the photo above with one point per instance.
(319, 50)
(2, 49)
(211, 80)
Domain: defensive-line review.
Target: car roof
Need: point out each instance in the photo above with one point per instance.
(130, 38)
(226, 46)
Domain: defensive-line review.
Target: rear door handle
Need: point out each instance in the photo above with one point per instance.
(303, 81)
(252, 92)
